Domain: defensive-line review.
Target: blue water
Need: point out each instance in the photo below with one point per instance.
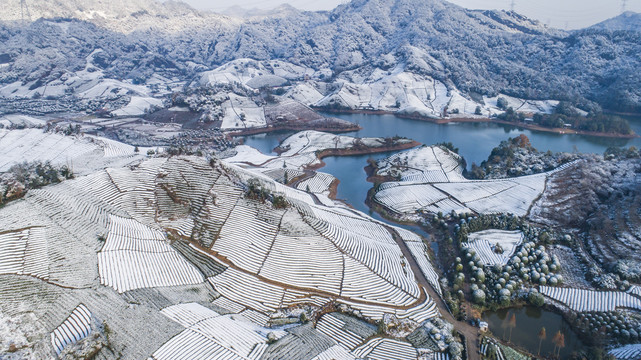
(474, 140)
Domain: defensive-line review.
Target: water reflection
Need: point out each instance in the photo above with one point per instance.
(523, 327)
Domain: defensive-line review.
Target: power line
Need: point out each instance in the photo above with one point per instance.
(24, 10)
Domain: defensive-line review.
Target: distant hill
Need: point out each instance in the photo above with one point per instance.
(118, 15)
(256, 13)
(628, 21)
(476, 52)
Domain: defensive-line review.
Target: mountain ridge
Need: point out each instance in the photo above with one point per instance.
(118, 15)
(628, 21)
(484, 52)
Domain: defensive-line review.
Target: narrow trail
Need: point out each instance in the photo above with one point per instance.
(471, 333)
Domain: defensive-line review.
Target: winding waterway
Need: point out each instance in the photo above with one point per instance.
(475, 142)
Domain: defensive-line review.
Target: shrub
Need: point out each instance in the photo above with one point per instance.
(536, 299)
(479, 296)
(280, 202)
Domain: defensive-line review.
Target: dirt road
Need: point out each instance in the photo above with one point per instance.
(471, 333)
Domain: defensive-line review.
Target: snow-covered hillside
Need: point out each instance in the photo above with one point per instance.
(430, 180)
(470, 53)
(403, 92)
(113, 226)
(119, 15)
(628, 21)
(257, 74)
(397, 90)
(84, 154)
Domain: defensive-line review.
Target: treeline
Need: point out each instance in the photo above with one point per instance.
(565, 113)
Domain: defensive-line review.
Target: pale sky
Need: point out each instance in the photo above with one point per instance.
(570, 14)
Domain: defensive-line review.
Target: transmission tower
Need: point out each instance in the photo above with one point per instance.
(512, 5)
(624, 4)
(24, 10)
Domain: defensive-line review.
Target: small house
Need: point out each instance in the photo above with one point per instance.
(483, 326)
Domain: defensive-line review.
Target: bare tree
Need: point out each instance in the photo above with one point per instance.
(561, 344)
(512, 324)
(556, 339)
(542, 335)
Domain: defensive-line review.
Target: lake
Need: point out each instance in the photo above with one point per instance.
(474, 140)
(529, 321)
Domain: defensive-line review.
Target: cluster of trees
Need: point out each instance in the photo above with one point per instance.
(614, 152)
(256, 191)
(565, 114)
(496, 286)
(470, 224)
(608, 325)
(517, 157)
(502, 154)
(449, 146)
(22, 177)
(38, 174)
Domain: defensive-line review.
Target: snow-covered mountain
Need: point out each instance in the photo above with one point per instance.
(118, 15)
(256, 13)
(477, 53)
(628, 21)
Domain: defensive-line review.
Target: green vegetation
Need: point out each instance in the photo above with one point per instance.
(517, 157)
(280, 202)
(614, 152)
(502, 103)
(536, 299)
(599, 326)
(565, 115)
(256, 191)
(449, 146)
(496, 286)
(511, 354)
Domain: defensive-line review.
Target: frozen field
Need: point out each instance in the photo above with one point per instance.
(431, 180)
(590, 300)
(300, 152)
(209, 335)
(84, 154)
(109, 238)
(627, 352)
(484, 244)
(136, 256)
(255, 74)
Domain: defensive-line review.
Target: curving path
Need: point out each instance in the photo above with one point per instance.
(471, 333)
